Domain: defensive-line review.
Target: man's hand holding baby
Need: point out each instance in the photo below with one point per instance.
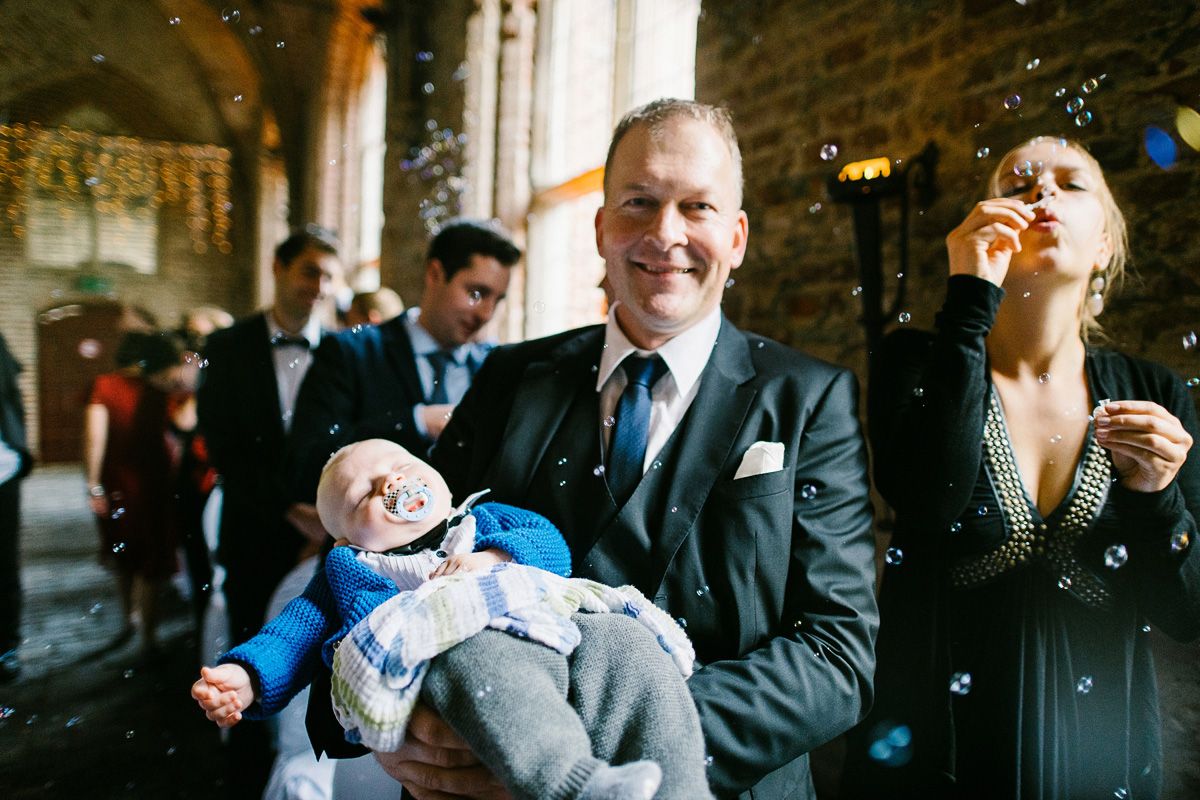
(470, 562)
(224, 692)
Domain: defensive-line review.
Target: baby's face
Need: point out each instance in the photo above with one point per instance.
(379, 496)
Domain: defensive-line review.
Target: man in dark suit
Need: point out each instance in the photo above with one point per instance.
(246, 403)
(401, 379)
(15, 464)
(721, 473)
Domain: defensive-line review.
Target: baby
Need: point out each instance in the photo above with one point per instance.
(404, 563)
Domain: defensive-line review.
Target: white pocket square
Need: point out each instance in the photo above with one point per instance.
(760, 458)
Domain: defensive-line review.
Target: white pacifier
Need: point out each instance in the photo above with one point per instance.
(409, 502)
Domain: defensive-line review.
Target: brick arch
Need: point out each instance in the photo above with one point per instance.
(124, 101)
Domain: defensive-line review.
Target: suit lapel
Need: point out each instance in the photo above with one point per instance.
(544, 394)
(664, 508)
(260, 371)
(398, 351)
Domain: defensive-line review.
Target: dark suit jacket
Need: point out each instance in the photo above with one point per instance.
(12, 408)
(772, 574)
(238, 406)
(363, 384)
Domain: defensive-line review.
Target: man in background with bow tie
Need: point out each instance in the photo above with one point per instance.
(246, 404)
(721, 473)
(401, 379)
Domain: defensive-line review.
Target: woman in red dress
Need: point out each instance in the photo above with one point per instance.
(131, 455)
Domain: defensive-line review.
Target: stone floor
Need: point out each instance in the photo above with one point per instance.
(87, 719)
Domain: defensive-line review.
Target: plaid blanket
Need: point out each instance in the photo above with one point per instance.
(379, 667)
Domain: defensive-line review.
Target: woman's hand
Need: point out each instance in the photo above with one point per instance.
(984, 243)
(1148, 443)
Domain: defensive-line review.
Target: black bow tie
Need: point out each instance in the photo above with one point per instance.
(283, 340)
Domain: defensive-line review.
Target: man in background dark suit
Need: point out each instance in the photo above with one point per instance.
(246, 403)
(15, 464)
(746, 514)
(401, 379)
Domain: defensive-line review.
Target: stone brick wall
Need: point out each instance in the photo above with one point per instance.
(884, 78)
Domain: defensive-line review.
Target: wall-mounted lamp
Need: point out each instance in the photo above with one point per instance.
(863, 184)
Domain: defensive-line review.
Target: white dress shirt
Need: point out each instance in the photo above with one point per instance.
(291, 364)
(686, 355)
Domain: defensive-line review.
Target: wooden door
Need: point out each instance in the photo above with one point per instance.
(75, 343)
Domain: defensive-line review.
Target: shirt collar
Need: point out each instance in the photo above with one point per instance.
(311, 330)
(685, 355)
(423, 342)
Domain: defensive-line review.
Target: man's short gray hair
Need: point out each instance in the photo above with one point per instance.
(657, 113)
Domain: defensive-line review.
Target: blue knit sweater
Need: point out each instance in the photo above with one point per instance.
(283, 657)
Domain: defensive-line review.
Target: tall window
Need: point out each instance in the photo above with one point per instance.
(596, 59)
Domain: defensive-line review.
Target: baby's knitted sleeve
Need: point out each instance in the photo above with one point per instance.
(527, 536)
(283, 656)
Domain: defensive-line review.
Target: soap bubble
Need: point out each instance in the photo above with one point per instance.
(983, 152)
(1033, 64)
(1179, 541)
(1116, 556)
(1089, 86)
(1084, 684)
(829, 152)
(174, 21)
(1189, 340)
(1027, 169)
(891, 744)
(1083, 118)
(894, 556)
(1012, 102)
(960, 683)
(904, 317)
(230, 15)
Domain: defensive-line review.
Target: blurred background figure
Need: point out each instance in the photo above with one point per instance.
(131, 455)
(199, 322)
(373, 308)
(196, 479)
(15, 463)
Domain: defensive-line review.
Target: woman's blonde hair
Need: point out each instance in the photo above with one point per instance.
(1114, 225)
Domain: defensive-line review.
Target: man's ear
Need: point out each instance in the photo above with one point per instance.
(599, 223)
(434, 272)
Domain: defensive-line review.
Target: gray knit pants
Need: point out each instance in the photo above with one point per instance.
(544, 723)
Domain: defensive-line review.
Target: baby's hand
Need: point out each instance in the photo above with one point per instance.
(470, 562)
(223, 692)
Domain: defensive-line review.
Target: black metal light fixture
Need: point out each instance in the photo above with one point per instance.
(863, 184)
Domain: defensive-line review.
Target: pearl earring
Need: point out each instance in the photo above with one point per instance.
(1095, 301)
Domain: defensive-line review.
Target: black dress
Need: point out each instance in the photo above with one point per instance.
(1013, 656)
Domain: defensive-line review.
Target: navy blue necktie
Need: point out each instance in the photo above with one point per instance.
(627, 450)
(439, 360)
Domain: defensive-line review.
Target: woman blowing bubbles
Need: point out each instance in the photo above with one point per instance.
(1045, 513)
